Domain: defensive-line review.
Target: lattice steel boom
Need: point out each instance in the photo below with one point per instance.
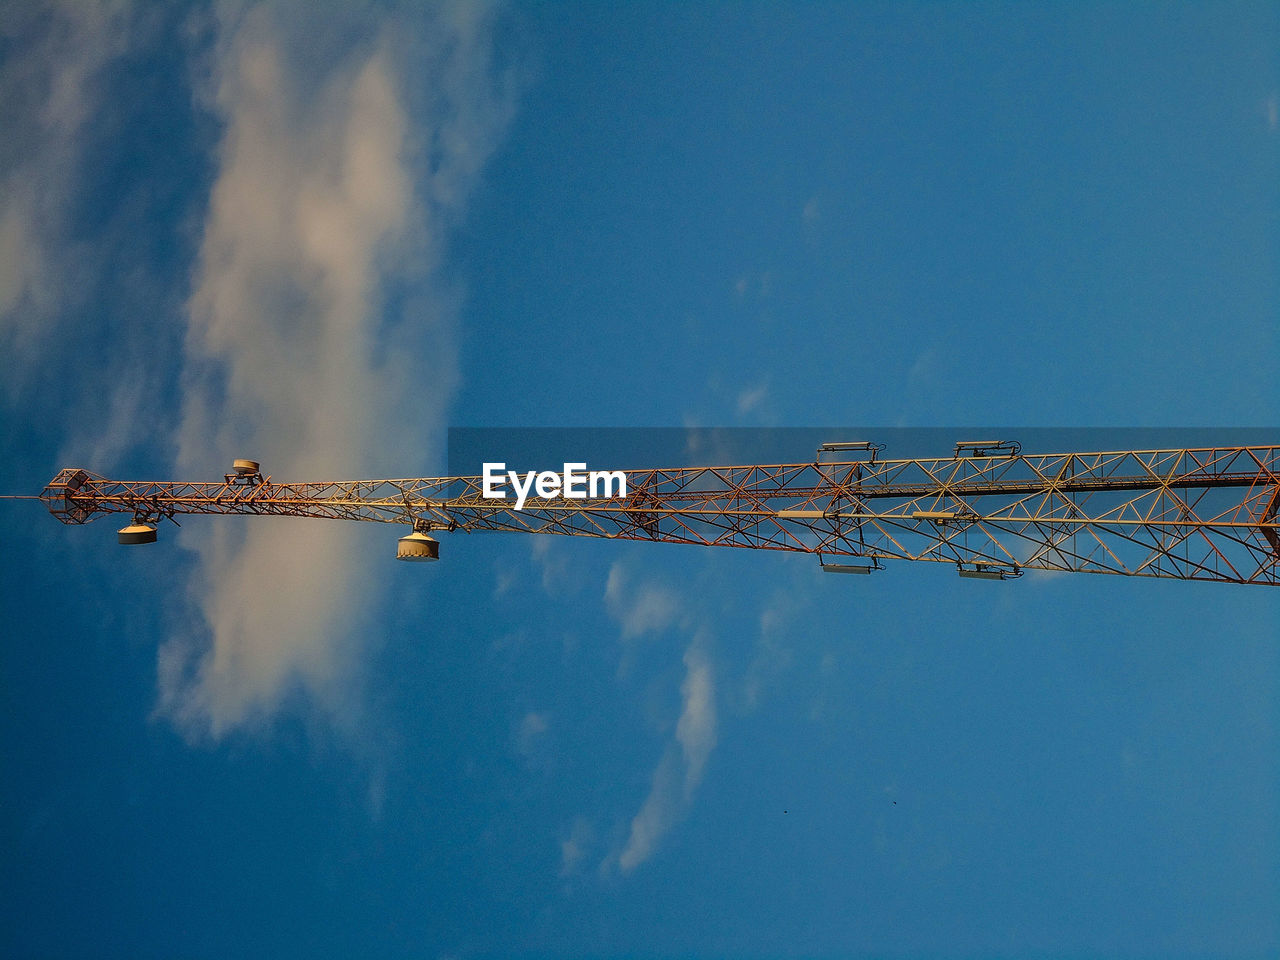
(1193, 514)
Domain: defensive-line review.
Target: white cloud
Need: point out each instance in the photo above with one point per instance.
(550, 557)
(504, 580)
(279, 624)
(333, 183)
(89, 226)
(696, 729)
(772, 656)
(646, 608)
(751, 398)
(657, 815)
(574, 848)
(49, 93)
(532, 727)
(680, 771)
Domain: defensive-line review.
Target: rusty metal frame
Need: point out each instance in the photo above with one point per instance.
(1190, 514)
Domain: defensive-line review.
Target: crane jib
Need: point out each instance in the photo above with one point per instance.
(1196, 513)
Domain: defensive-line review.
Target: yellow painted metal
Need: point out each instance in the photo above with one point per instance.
(136, 533)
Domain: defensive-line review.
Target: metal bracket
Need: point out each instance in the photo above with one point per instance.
(848, 446)
(988, 448)
(988, 571)
(850, 567)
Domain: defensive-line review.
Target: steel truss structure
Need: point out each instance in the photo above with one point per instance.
(1193, 514)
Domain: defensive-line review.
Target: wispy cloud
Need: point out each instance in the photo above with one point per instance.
(754, 286)
(647, 607)
(680, 771)
(696, 729)
(95, 212)
(772, 656)
(52, 110)
(550, 558)
(750, 399)
(48, 92)
(530, 731)
(574, 848)
(639, 608)
(335, 186)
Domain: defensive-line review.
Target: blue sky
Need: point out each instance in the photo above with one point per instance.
(322, 236)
